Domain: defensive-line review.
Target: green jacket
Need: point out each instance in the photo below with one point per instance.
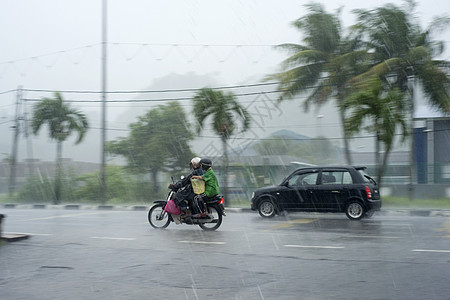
(211, 184)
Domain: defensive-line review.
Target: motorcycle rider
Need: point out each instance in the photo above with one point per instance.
(187, 192)
(211, 183)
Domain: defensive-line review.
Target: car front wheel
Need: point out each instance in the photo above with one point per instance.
(266, 208)
(354, 210)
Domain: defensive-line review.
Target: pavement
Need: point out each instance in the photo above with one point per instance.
(423, 212)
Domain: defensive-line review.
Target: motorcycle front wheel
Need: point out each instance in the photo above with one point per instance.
(215, 223)
(157, 217)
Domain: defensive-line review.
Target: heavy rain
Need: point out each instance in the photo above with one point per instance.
(326, 125)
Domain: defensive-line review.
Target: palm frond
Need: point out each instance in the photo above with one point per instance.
(62, 120)
(223, 108)
(436, 85)
(292, 48)
(305, 57)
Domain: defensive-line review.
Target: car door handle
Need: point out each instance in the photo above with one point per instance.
(336, 192)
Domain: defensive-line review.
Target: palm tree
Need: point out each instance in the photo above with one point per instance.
(225, 111)
(323, 64)
(402, 51)
(62, 120)
(382, 112)
(403, 55)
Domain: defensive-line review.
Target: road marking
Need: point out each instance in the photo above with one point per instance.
(372, 236)
(201, 242)
(430, 250)
(319, 247)
(111, 238)
(379, 223)
(69, 216)
(445, 228)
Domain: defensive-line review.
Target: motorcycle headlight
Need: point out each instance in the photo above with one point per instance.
(253, 195)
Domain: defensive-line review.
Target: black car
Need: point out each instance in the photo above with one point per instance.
(321, 189)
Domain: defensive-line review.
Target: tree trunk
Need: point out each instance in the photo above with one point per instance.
(225, 171)
(377, 156)
(59, 172)
(384, 164)
(348, 156)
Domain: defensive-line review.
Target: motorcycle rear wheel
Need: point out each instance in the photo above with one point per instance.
(157, 217)
(215, 223)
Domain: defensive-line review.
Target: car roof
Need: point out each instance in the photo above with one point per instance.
(333, 166)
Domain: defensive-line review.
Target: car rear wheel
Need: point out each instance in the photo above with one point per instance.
(354, 210)
(266, 208)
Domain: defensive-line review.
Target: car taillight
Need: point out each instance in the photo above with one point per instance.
(368, 192)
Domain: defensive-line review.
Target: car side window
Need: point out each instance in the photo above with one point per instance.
(303, 179)
(347, 178)
(336, 177)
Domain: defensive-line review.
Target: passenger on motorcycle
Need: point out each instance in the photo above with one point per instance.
(211, 183)
(187, 193)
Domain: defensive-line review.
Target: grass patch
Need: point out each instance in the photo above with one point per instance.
(396, 202)
(388, 202)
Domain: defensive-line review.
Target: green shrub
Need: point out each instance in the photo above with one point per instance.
(122, 187)
(35, 190)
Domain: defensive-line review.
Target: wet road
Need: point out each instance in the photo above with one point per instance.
(92, 254)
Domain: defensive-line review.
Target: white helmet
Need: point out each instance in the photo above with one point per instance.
(195, 162)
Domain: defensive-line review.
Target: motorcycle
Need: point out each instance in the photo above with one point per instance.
(215, 211)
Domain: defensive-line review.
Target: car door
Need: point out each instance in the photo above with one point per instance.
(332, 189)
(297, 192)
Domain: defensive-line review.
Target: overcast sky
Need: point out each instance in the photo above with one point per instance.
(44, 42)
(56, 44)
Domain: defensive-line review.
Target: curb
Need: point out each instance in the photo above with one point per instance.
(389, 211)
(14, 237)
(76, 206)
(97, 207)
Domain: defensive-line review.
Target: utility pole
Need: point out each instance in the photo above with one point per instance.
(29, 143)
(103, 186)
(13, 162)
(411, 83)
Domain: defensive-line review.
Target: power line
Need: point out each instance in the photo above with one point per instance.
(137, 44)
(281, 138)
(164, 91)
(48, 54)
(172, 45)
(228, 87)
(154, 91)
(9, 121)
(149, 100)
(8, 91)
